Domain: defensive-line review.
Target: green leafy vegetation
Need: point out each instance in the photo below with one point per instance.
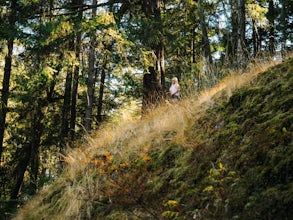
(232, 160)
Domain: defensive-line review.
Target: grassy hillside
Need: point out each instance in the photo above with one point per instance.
(223, 154)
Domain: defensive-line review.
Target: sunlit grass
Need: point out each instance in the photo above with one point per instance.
(127, 133)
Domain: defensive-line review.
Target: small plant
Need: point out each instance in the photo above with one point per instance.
(172, 211)
(217, 189)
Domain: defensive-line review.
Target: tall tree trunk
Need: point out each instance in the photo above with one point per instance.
(75, 80)
(255, 39)
(66, 108)
(101, 94)
(154, 80)
(192, 47)
(271, 18)
(30, 153)
(36, 134)
(90, 91)
(5, 93)
(6, 77)
(74, 93)
(208, 61)
(204, 37)
(284, 25)
(69, 90)
(241, 49)
(90, 79)
(159, 49)
(232, 39)
(20, 170)
(161, 65)
(151, 91)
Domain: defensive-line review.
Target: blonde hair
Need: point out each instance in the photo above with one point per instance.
(175, 79)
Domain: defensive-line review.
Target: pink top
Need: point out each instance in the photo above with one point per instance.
(174, 89)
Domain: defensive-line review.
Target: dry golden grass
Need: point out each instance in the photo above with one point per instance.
(126, 134)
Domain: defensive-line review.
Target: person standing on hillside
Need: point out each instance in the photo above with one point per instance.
(175, 89)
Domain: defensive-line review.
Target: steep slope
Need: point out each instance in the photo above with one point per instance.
(226, 155)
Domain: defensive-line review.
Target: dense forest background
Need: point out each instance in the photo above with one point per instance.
(67, 66)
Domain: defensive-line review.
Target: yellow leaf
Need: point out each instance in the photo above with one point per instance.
(208, 189)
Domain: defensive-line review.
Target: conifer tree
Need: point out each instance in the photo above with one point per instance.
(91, 76)
(11, 35)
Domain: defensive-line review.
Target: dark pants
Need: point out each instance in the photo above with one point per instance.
(175, 97)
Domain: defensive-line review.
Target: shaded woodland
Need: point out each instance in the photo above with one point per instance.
(68, 66)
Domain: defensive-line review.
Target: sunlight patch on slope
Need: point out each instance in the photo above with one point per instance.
(234, 81)
(127, 135)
